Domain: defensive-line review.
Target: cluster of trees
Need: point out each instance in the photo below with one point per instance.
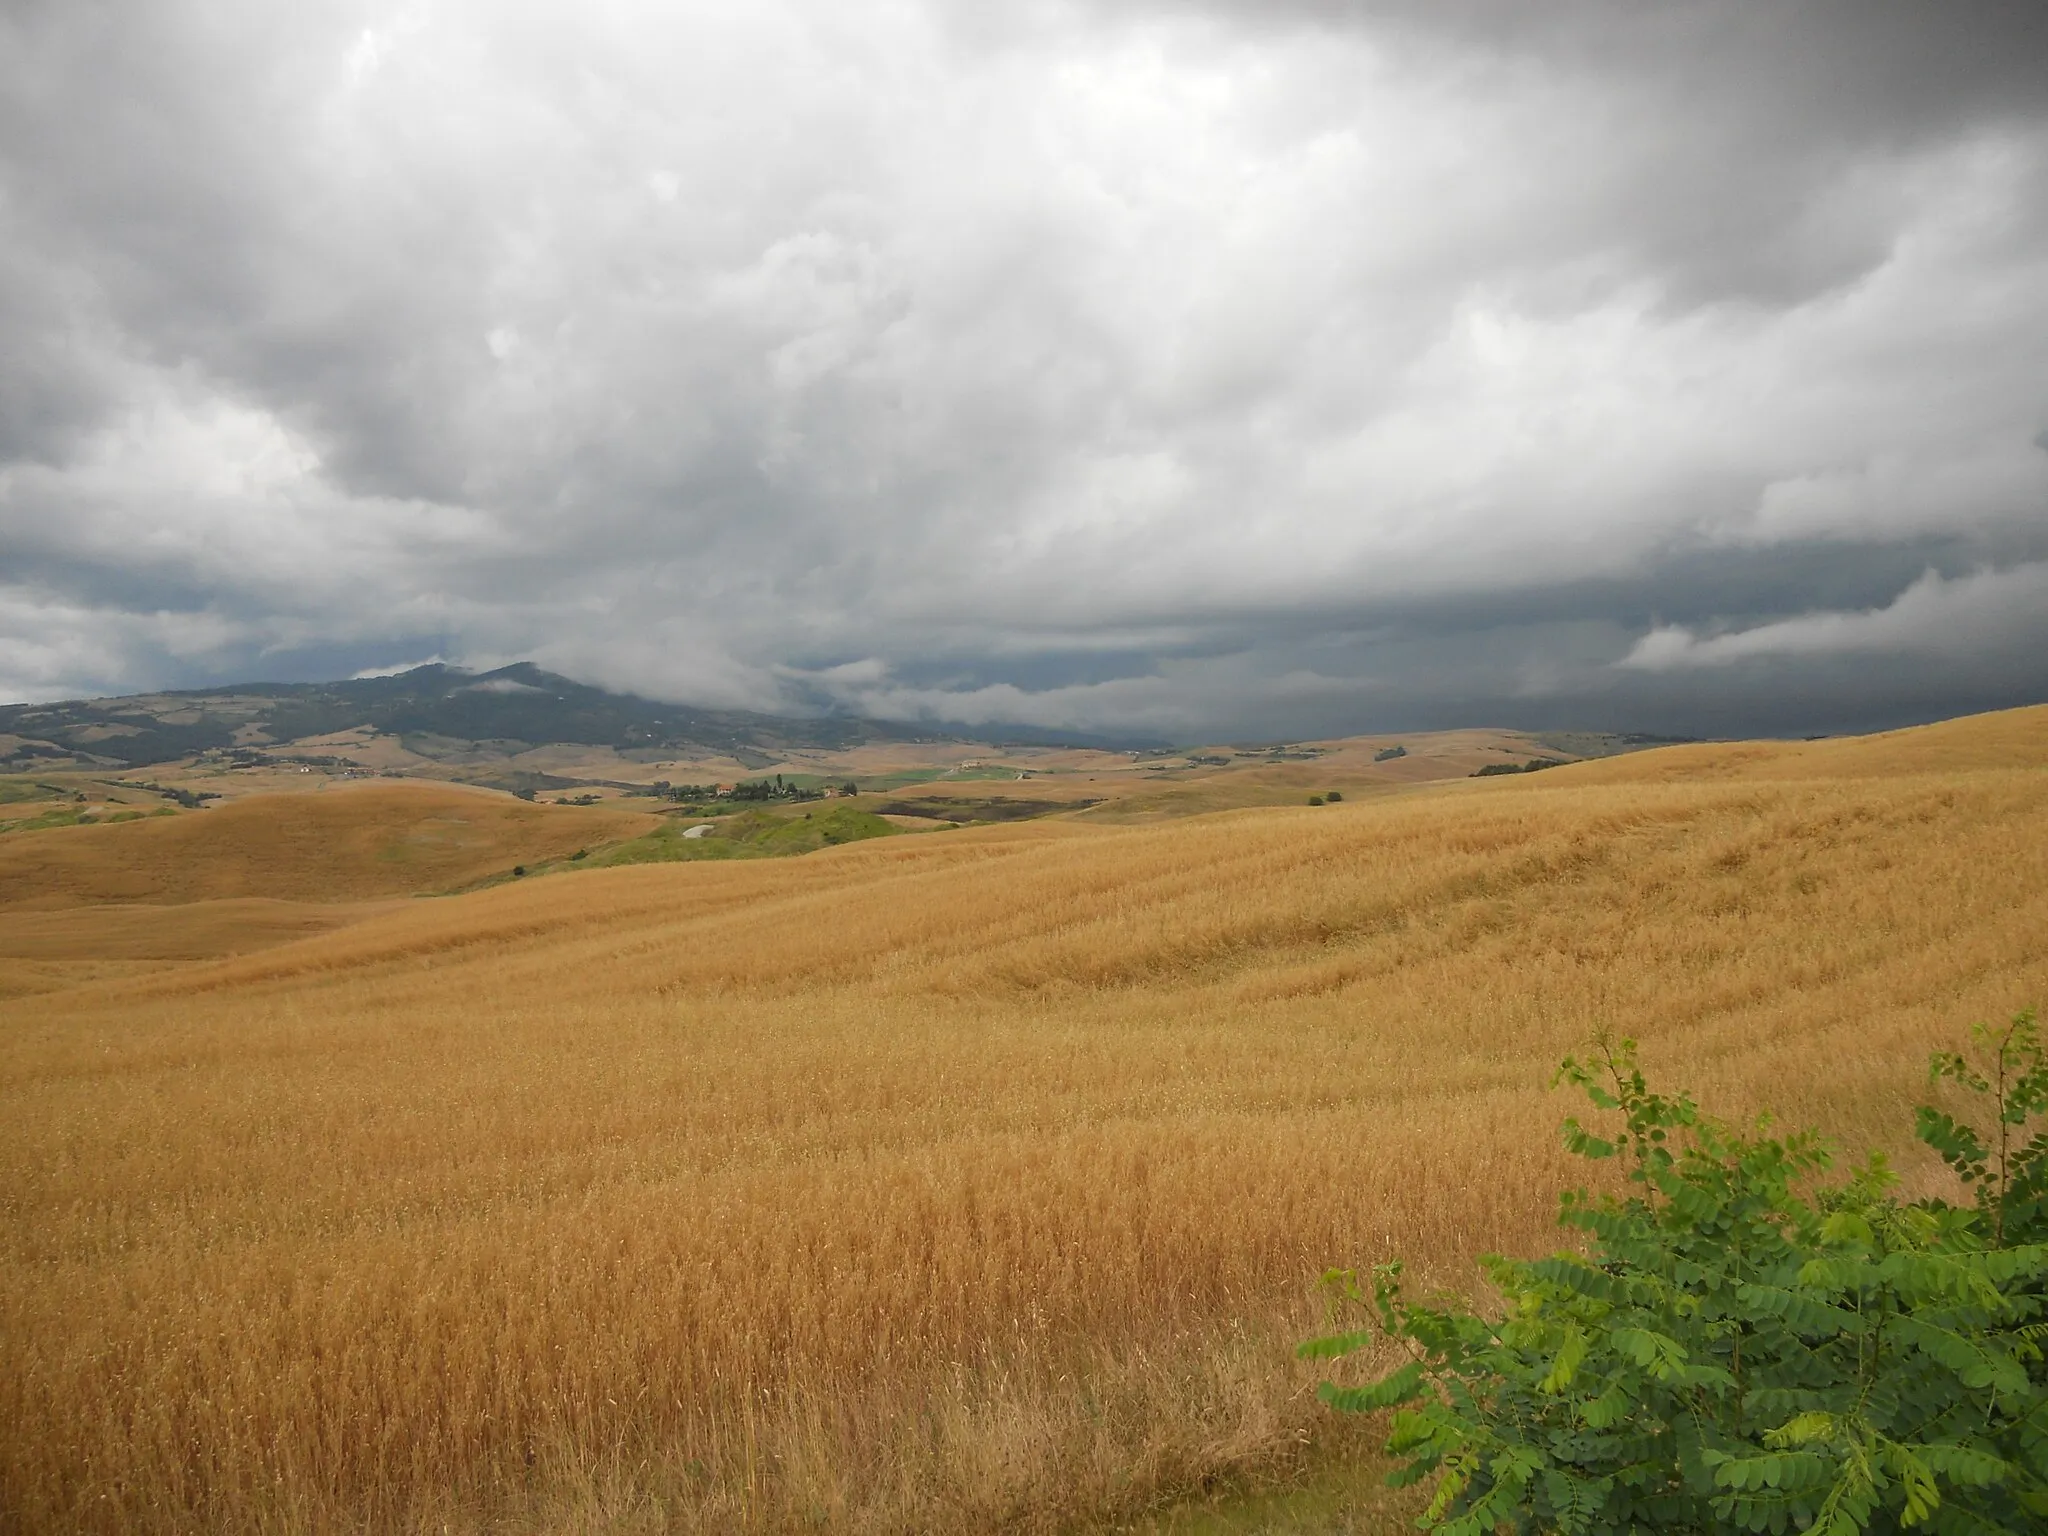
(1745, 1344)
(755, 790)
(776, 789)
(1534, 765)
(191, 800)
(684, 794)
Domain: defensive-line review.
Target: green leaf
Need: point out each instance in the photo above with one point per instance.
(1974, 1365)
(1335, 1345)
(1916, 1481)
(1564, 1365)
(1804, 1429)
(1401, 1386)
(1656, 1353)
(1608, 1409)
(1570, 1272)
(1966, 1465)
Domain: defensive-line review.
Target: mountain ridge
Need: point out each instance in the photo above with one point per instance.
(519, 704)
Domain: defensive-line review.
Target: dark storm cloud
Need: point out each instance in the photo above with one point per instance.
(1207, 369)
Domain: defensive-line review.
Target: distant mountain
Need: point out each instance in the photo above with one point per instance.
(510, 709)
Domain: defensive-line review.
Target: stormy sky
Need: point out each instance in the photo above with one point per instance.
(1201, 370)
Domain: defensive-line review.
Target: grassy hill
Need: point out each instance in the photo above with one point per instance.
(963, 1182)
(349, 844)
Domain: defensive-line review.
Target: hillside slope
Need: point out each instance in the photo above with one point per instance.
(348, 843)
(2011, 738)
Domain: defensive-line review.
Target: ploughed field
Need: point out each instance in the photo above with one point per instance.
(972, 1180)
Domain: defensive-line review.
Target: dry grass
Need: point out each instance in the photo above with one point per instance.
(44, 951)
(2010, 738)
(348, 843)
(962, 1182)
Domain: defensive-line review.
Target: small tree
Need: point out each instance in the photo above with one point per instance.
(1745, 1347)
(2010, 1180)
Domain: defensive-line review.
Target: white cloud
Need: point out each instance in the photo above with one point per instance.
(395, 669)
(1985, 611)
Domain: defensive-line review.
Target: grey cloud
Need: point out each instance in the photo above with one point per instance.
(1883, 70)
(1229, 366)
(1745, 153)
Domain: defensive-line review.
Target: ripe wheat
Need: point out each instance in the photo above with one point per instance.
(955, 1182)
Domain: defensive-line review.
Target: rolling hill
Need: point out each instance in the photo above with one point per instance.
(966, 1182)
(86, 902)
(354, 843)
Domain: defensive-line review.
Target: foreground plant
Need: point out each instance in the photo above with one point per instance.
(1745, 1346)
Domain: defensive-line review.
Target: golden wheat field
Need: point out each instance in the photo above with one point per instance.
(966, 1181)
(348, 843)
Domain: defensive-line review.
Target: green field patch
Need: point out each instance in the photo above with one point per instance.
(58, 816)
(19, 791)
(749, 835)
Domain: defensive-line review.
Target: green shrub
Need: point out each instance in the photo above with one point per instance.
(1315, 799)
(1745, 1346)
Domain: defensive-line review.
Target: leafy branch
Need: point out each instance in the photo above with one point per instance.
(1751, 1342)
